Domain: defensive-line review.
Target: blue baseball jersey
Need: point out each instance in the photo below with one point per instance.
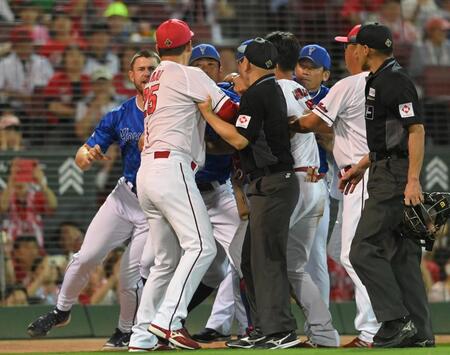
(124, 126)
(316, 97)
(217, 167)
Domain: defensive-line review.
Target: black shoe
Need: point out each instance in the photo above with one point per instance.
(394, 333)
(415, 342)
(283, 340)
(118, 341)
(209, 335)
(41, 326)
(247, 342)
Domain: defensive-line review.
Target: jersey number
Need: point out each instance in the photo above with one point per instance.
(150, 98)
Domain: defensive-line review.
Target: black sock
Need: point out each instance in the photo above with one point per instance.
(200, 295)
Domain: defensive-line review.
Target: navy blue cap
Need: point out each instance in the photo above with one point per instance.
(317, 54)
(204, 51)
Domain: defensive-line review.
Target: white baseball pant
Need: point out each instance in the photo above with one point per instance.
(182, 241)
(118, 219)
(304, 223)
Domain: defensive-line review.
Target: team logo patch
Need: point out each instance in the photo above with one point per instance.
(168, 42)
(243, 121)
(371, 92)
(203, 49)
(388, 43)
(406, 110)
(370, 112)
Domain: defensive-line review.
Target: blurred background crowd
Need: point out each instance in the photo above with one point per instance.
(64, 64)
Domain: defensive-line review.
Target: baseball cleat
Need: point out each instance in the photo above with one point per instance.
(117, 341)
(208, 335)
(247, 342)
(180, 338)
(53, 319)
(395, 333)
(160, 346)
(283, 340)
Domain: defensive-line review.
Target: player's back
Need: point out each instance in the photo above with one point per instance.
(303, 145)
(172, 120)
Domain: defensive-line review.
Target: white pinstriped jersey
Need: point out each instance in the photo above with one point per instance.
(303, 145)
(172, 119)
(343, 109)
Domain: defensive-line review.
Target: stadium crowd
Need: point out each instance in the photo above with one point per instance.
(64, 64)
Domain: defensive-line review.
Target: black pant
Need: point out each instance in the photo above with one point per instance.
(272, 201)
(388, 264)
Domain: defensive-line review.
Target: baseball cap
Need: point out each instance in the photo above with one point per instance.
(173, 33)
(316, 54)
(259, 52)
(9, 120)
(204, 51)
(437, 22)
(375, 36)
(240, 50)
(116, 8)
(101, 73)
(351, 36)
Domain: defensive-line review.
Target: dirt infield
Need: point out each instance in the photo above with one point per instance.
(73, 345)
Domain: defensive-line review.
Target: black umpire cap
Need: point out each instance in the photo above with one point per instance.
(260, 52)
(375, 36)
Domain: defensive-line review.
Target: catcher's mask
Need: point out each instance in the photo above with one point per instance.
(421, 222)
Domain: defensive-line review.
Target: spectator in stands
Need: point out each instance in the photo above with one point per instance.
(24, 255)
(99, 53)
(390, 14)
(101, 288)
(65, 90)
(419, 11)
(360, 11)
(435, 50)
(70, 238)
(62, 35)
(29, 14)
(440, 291)
(10, 134)
(22, 72)
(101, 100)
(25, 199)
(120, 27)
(42, 287)
(6, 14)
(15, 295)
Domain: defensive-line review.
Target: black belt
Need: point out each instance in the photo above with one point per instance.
(208, 186)
(269, 170)
(375, 156)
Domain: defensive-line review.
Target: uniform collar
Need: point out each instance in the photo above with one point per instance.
(263, 78)
(386, 64)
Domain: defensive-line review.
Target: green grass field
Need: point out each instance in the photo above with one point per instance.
(440, 349)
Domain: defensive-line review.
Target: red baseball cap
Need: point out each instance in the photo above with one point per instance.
(21, 34)
(173, 33)
(351, 36)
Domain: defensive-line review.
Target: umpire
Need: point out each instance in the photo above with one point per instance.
(389, 265)
(261, 134)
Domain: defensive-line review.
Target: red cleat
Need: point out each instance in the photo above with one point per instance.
(180, 338)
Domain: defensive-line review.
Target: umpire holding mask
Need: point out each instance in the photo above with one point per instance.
(261, 134)
(388, 264)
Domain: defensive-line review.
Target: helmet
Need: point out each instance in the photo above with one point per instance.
(421, 222)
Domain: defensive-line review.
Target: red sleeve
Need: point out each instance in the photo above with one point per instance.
(229, 111)
(52, 87)
(40, 203)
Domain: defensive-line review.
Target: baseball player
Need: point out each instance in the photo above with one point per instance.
(174, 148)
(118, 220)
(309, 210)
(343, 110)
(313, 68)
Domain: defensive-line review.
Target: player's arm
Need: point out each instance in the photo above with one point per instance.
(224, 129)
(86, 155)
(309, 123)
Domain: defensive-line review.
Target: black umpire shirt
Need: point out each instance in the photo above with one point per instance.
(263, 121)
(391, 106)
